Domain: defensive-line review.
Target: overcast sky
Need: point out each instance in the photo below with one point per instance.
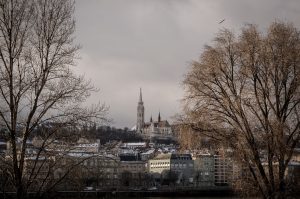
(128, 44)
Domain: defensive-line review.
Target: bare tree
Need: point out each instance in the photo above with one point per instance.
(37, 85)
(187, 138)
(244, 92)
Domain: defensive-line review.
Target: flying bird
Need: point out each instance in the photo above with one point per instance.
(221, 21)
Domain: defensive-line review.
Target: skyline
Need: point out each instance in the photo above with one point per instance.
(128, 45)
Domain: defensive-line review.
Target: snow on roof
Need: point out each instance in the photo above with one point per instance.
(80, 155)
(109, 156)
(204, 154)
(88, 145)
(34, 158)
(149, 152)
(133, 128)
(135, 143)
(297, 150)
(124, 151)
(293, 163)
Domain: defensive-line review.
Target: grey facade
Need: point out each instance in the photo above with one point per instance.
(204, 170)
(223, 170)
(183, 166)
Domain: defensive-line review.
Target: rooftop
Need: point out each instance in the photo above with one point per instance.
(163, 156)
(181, 157)
(130, 157)
(149, 152)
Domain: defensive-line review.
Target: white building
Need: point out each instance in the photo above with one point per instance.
(160, 164)
(134, 145)
(160, 128)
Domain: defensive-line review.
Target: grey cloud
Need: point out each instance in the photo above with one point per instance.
(149, 44)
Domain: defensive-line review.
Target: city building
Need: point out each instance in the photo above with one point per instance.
(183, 166)
(132, 171)
(296, 155)
(148, 154)
(223, 169)
(161, 164)
(95, 170)
(107, 167)
(134, 145)
(38, 169)
(87, 146)
(204, 167)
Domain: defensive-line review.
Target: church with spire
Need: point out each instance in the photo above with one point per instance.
(140, 114)
(160, 128)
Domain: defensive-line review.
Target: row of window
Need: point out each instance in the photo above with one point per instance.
(160, 163)
(95, 163)
(159, 167)
(108, 176)
(172, 166)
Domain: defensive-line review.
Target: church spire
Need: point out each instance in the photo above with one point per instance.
(159, 116)
(140, 114)
(141, 99)
(151, 119)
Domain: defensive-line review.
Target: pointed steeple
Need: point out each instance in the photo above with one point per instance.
(151, 119)
(141, 99)
(140, 114)
(159, 116)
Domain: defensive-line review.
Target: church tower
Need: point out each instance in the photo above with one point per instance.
(140, 114)
(159, 118)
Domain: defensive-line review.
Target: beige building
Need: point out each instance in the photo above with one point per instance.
(95, 170)
(38, 168)
(133, 167)
(132, 171)
(160, 164)
(296, 155)
(106, 168)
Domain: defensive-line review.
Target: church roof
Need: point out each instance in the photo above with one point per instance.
(163, 123)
